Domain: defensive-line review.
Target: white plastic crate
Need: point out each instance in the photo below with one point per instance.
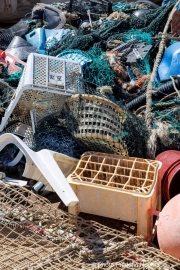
(22, 103)
(123, 188)
(40, 90)
(54, 74)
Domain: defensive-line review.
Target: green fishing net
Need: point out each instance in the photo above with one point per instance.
(83, 41)
(95, 7)
(98, 71)
(73, 40)
(120, 6)
(13, 78)
(95, 65)
(168, 113)
(151, 24)
(154, 21)
(144, 65)
(138, 35)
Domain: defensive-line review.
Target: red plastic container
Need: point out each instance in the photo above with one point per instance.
(10, 62)
(170, 173)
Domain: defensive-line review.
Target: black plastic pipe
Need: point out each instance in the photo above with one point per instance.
(158, 93)
(70, 5)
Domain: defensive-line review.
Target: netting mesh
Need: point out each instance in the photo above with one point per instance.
(52, 134)
(34, 234)
(32, 229)
(100, 7)
(168, 113)
(98, 71)
(6, 93)
(166, 124)
(152, 23)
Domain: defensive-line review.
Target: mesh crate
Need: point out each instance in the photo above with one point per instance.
(53, 74)
(98, 123)
(104, 182)
(40, 91)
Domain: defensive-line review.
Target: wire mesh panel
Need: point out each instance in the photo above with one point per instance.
(36, 235)
(32, 230)
(145, 257)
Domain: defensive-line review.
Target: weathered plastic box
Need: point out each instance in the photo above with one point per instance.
(121, 188)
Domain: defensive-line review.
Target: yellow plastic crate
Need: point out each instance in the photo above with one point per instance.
(124, 188)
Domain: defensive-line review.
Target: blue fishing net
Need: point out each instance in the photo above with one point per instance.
(75, 55)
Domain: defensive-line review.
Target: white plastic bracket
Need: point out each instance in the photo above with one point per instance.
(43, 166)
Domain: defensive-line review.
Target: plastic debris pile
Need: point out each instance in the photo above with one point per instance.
(115, 49)
(82, 77)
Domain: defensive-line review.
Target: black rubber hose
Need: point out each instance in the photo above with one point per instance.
(158, 93)
(110, 10)
(70, 5)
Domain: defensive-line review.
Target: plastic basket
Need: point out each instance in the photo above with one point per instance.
(100, 123)
(48, 73)
(39, 90)
(116, 187)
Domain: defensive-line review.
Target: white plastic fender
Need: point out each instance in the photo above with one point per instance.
(43, 166)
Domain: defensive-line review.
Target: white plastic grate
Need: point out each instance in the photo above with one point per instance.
(132, 174)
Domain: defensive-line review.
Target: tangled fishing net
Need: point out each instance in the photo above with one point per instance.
(168, 115)
(95, 65)
(166, 124)
(6, 94)
(103, 39)
(34, 234)
(52, 134)
(98, 71)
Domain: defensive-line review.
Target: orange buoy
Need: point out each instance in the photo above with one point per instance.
(168, 228)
